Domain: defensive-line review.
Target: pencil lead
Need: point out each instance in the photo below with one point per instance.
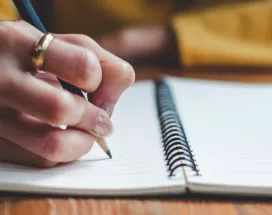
(109, 154)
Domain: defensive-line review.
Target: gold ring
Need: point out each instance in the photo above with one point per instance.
(40, 50)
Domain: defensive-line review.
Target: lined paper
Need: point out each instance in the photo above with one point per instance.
(229, 128)
(138, 160)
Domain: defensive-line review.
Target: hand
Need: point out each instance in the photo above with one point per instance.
(33, 105)
(141, 46)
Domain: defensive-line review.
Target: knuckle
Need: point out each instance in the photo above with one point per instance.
(82, 38)
(88, 73)
(60, 109)
(127, 74)
(53, 149)
(85, 41)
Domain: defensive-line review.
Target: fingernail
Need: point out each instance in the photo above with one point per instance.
(108, 107)
(103, 126)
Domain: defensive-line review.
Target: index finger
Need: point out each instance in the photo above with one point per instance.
(117, 74)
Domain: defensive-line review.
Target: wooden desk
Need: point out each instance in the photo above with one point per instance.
(192, 206)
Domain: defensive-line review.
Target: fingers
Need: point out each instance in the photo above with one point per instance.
(49, 143)
(54, 106)
(117, 78)
(76, 59)
(12, 153)
(118, 75)
(76, 65)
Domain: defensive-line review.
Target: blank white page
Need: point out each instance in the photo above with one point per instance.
(228, 126)
(137, 166)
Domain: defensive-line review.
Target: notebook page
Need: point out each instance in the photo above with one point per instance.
(137, 166)
(228, 127)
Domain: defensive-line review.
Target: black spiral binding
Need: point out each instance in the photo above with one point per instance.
(176, 148)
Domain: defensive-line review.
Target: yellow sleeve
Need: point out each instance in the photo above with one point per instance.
(8, 10)
(237, 35)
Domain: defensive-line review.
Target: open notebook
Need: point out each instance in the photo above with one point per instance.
(171, 136)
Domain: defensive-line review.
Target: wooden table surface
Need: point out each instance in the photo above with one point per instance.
(29, 205)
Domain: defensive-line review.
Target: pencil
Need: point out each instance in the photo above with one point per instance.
(28, 14)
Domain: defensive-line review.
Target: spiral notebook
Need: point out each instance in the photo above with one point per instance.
(172, 136)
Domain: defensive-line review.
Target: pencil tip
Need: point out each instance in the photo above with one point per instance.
(109, 154)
